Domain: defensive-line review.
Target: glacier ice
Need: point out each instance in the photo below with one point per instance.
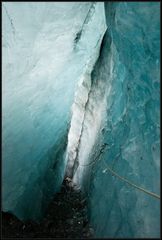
(129, 65)
(120, 125)
(80, 93)
(43, 60)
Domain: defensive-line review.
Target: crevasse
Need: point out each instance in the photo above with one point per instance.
(83, 98)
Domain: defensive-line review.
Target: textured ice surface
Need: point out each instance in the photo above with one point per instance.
(46, 49)
(53, 59)
(131, 127)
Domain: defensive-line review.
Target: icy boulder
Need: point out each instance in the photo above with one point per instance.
(46, 50)
(131, 130)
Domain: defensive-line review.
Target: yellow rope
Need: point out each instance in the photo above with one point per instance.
(132, 184)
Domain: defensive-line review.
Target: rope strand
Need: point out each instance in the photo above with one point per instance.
(132, 184)
(120, 177)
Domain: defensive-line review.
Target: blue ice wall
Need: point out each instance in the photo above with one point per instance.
(46, 50)
(52, 57)
(131, 62)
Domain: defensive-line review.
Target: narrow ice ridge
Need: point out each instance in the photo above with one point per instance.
(95, 116)
(88, 116)
(78, 117)
(81, 101)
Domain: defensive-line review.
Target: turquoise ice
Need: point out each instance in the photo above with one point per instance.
(81, 93)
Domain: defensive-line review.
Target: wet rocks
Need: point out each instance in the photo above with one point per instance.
(66, 217)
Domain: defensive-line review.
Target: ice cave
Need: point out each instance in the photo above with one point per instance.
(81, 101)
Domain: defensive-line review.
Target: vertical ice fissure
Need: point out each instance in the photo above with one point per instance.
(71, 168)
(76, 161)
(10, 19)
(83, 91)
